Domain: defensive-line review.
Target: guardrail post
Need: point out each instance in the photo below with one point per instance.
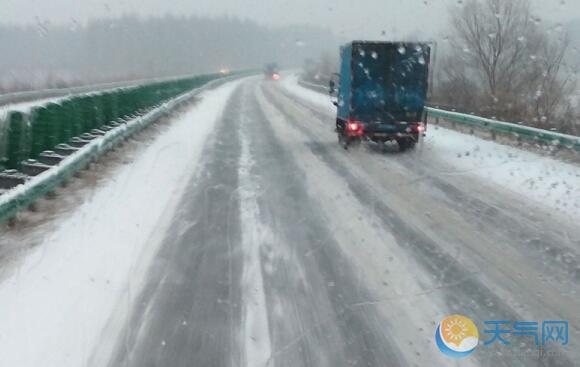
(53, 125)
(33, 207)
(17, 147)
(39, 130)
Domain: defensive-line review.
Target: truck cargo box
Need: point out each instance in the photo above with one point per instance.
(382, 88)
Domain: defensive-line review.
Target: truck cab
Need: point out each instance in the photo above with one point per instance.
(382, 88)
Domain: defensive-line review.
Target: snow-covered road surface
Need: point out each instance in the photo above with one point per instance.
(282, 249)
(55, 308)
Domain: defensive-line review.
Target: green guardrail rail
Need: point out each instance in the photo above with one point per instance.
(28, 134)
(510, 129)
(505, 128)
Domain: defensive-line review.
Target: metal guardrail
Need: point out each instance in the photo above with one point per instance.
(26, 134)
(26, 96)
(516, 131)
(317, 87)
(506, 128)
(18, 97)
(21, 197)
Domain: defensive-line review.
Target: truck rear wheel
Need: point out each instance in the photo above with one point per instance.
(406, 144)
(348, 141)
(343, 140)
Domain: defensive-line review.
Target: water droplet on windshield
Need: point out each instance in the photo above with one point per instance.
(42, 27)
(402, 50)
(374, 55)
(74, 25)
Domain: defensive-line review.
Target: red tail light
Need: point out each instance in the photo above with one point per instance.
(354, 127)
(419, 128)
(276, 76)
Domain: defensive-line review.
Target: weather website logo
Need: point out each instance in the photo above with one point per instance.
(457, 336)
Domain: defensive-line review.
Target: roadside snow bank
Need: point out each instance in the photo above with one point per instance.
(290, 83)
(546, 181)
(53, 311)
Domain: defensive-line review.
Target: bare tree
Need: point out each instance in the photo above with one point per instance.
(456, 88)
(554, 85)
(498, 47)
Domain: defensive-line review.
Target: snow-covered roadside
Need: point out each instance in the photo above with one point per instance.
(546, 181)
(53, 310)
(290, 83)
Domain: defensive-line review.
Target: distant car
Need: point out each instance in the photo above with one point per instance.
(271, 71)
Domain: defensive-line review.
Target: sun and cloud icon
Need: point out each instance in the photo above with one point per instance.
(457, 336)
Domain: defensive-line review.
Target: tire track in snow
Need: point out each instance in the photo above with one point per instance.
(472, 294)
(257, 344)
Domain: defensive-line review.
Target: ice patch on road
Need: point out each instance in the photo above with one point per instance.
(53, 311)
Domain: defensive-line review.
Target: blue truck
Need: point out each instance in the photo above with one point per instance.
(382, 88)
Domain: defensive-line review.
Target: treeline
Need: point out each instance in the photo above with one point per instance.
(501, 61)
(45, 56)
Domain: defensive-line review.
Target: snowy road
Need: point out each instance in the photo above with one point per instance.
(285, 250)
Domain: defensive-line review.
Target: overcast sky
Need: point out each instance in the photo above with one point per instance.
(350, 18)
